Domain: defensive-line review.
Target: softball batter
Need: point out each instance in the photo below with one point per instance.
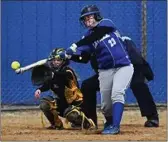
(115, 68)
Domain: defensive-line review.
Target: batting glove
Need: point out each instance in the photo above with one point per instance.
(71, 49)
(68, 53)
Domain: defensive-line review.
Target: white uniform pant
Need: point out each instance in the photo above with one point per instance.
(113, 84)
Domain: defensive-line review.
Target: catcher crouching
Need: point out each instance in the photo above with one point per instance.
(67, 100)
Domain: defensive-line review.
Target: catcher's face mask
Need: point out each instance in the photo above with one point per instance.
(57, 63)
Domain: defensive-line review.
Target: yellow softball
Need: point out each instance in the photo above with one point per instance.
(15, 65)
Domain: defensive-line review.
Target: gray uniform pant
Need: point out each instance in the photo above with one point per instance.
(113, 84)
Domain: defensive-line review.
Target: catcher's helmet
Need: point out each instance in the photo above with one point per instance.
(89, 10)
(55, 52)
(53, 57)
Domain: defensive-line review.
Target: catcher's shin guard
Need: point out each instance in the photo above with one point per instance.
(48, 106)
(76, 116)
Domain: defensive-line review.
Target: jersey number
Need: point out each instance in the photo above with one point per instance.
(112, 42)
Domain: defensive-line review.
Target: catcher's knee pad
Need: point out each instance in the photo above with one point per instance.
(76, 116)
(48, 103)
(44, 106)
(48, 106)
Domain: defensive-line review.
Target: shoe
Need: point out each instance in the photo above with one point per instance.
(152, 123)
(109, 121)
(112, 130)
(106, 125)
(53, 127)
(76, 126)
(92, 125)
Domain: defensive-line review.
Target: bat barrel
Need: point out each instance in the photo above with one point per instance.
(28, 67)
(18, 71)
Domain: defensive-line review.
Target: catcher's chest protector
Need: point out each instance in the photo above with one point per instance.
(73, 93)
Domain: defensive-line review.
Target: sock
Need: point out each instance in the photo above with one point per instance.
(109, 119)
(118, 109)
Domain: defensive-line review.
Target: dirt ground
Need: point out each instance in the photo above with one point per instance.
(26, 125)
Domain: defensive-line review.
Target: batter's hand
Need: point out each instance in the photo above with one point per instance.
(72, 48)
(69, 51)
(37, 93)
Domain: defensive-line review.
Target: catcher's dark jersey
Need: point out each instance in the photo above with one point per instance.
(64, 84)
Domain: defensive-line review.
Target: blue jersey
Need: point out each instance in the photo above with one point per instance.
(110, 50)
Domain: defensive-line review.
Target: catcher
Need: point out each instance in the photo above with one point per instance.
(67, 101)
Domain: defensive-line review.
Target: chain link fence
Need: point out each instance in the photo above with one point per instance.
(30, 29)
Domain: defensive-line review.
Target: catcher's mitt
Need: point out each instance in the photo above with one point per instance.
(40, 75)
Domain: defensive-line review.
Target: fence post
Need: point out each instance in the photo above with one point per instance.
(144, 28)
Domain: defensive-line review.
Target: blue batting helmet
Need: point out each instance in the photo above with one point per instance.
(89, 10)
